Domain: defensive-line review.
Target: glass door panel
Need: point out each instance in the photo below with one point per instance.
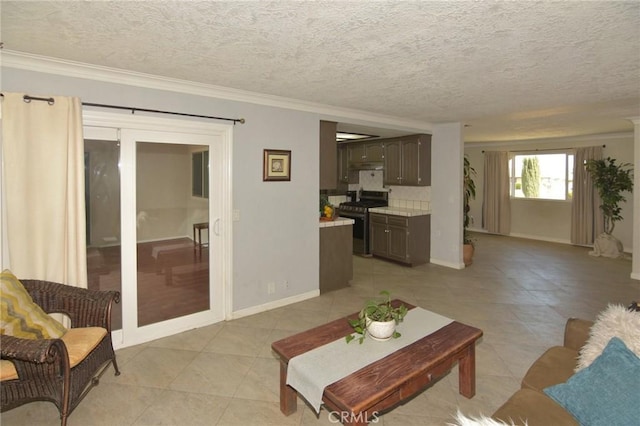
(102, 205)
(171, 232)
(153, 186)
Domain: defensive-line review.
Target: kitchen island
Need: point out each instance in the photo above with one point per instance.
(336, 253)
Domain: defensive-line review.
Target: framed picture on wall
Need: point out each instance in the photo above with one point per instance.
(277, 165)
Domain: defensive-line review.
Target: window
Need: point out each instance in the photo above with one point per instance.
(542, 176)
(200, 174)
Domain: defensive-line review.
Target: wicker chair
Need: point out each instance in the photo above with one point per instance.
(44, 372)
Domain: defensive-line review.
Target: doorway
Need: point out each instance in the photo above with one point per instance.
(144, 239)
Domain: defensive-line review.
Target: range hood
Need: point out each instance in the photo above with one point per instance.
(367, 165)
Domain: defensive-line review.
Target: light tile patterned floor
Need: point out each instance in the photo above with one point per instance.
(519, 292)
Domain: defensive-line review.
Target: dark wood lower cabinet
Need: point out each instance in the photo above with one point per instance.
(400, 238)
(336, 257)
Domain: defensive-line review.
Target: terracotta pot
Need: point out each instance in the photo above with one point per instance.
(381, 330)
(467, 254)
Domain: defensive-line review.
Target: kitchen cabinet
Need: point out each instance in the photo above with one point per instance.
(328, 155)
(365, 152)
(407, 161)
(336, 257)
(401, 238)
(345, 175)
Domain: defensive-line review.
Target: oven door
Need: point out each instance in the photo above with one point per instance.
(359, 231)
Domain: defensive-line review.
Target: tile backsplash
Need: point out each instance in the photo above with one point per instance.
(416, 197)
(370, 180)
(413, 197)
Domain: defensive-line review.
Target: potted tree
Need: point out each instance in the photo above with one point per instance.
(469, 192)
(378, 319)
(610, 180)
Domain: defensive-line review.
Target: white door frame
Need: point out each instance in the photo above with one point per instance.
(128, 128)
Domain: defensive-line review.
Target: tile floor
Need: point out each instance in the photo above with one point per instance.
(519, 292)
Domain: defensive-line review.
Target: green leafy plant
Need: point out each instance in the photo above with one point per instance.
(611, 180)
(531, 177)
(377, 310)
(469, 189)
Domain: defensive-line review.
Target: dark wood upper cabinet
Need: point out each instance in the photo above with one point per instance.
(365, 152)
(407, 161)
(328, 155)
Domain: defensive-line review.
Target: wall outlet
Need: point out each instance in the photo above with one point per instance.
(271, 288)
(236, 215)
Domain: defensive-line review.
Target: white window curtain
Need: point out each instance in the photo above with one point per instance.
(43, 185)
(587, 221)
(496, 205)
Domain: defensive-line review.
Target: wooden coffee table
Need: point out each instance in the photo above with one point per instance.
(390, 381)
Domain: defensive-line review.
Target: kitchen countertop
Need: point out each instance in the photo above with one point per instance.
(339, 221)
(400, 211)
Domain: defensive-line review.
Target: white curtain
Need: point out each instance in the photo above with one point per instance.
(496, 206)
(43, 179)
(587, 220)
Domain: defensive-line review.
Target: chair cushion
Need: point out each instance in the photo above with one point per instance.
(533, 408)
(20, 316)
(7, 370)
(605, 393)
(554, 366)
(79, 342)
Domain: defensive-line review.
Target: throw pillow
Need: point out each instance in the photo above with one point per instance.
(462, 420)
(20, 316)
(616, 321)
(605, 393)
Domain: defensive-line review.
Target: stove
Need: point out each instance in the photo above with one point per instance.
(368, 199)
(359, 212)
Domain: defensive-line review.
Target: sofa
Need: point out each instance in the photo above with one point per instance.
(552, 381)
(554, 366)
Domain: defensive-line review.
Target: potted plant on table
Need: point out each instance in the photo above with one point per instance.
(469, 192)
(611, 180)
(378, 318)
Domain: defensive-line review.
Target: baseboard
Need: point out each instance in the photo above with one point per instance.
(635, 275)
(538, 238)
(275, 304)
(447, 264)
(556, 240)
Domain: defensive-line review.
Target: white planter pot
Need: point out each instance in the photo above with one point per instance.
(381, 330)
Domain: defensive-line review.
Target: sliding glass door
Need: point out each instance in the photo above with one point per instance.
(102, 207)
(172, 230)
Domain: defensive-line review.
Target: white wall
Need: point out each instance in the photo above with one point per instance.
(164, 189)
(446, 195)
(551, 220)
(276, 239)
(635, 269)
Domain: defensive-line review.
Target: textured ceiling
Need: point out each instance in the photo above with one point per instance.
(511, 70)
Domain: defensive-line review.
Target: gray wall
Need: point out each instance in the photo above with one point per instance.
(276, 239)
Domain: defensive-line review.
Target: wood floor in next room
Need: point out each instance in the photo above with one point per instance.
(172, 278)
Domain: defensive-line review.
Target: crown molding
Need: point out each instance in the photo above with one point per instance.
(566, 139)
(44, 64)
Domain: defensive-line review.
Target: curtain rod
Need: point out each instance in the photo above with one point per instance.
(549, 149)
(51, 101)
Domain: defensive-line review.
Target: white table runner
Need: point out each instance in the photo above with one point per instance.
(311, 372)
